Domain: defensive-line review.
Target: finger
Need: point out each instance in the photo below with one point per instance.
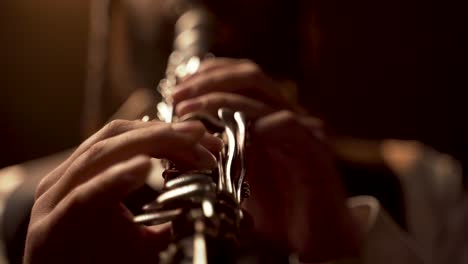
(177, 142)
(268, 208)
(290, 131)
(164, 141)
(301, 163)
(115, 181)
(277, 127)
(243, 78)
(315, 126)
(89, 204)
(212, 143)
(113, 128)
(213, 101)
(221, 79)
(317, 191)
(157, 237)
(283, 137)
(110, 186)
(211, 64)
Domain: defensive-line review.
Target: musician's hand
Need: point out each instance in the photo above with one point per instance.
(78, 216)
(296, 194)
(240, 85)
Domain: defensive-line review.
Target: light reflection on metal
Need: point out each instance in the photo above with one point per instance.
(188, 179)
(227, 117)
(199, 244)
(241, 137)
(164, 112)
(208, 208)
(195, 192)
(146, 118)
(156, 218)
(184, 192)
(193, 65)
(221, 173)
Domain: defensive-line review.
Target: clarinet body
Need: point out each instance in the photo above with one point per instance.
(208, 223)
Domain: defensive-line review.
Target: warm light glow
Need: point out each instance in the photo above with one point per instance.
(145, 118)
(199, 245)
(208, 209)
(192, 65)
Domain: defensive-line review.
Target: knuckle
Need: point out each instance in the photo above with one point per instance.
(97, 148)
(47, 182)
(42, 187)
(76, 200)
(35, 231)
(114, 127)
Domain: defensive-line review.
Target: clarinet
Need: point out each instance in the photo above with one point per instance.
(203, 206)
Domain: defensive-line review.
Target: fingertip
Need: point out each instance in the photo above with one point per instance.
(204, 159)
(198, 157)
(210, 163)
(212, 143)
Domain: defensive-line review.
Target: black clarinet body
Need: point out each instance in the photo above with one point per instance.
(204, 207)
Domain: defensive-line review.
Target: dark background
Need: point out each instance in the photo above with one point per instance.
(387, 69)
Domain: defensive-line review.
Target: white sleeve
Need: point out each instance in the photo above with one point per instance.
(384, 241)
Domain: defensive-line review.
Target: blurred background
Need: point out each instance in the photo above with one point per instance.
(373, 70)
(43, 54)
(388, 69)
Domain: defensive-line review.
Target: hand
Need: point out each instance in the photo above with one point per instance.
(78, 216)
(297, 198)
(240, 85)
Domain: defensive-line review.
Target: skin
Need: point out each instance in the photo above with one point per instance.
(298, 203)
(232, 83)
(78, 216)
